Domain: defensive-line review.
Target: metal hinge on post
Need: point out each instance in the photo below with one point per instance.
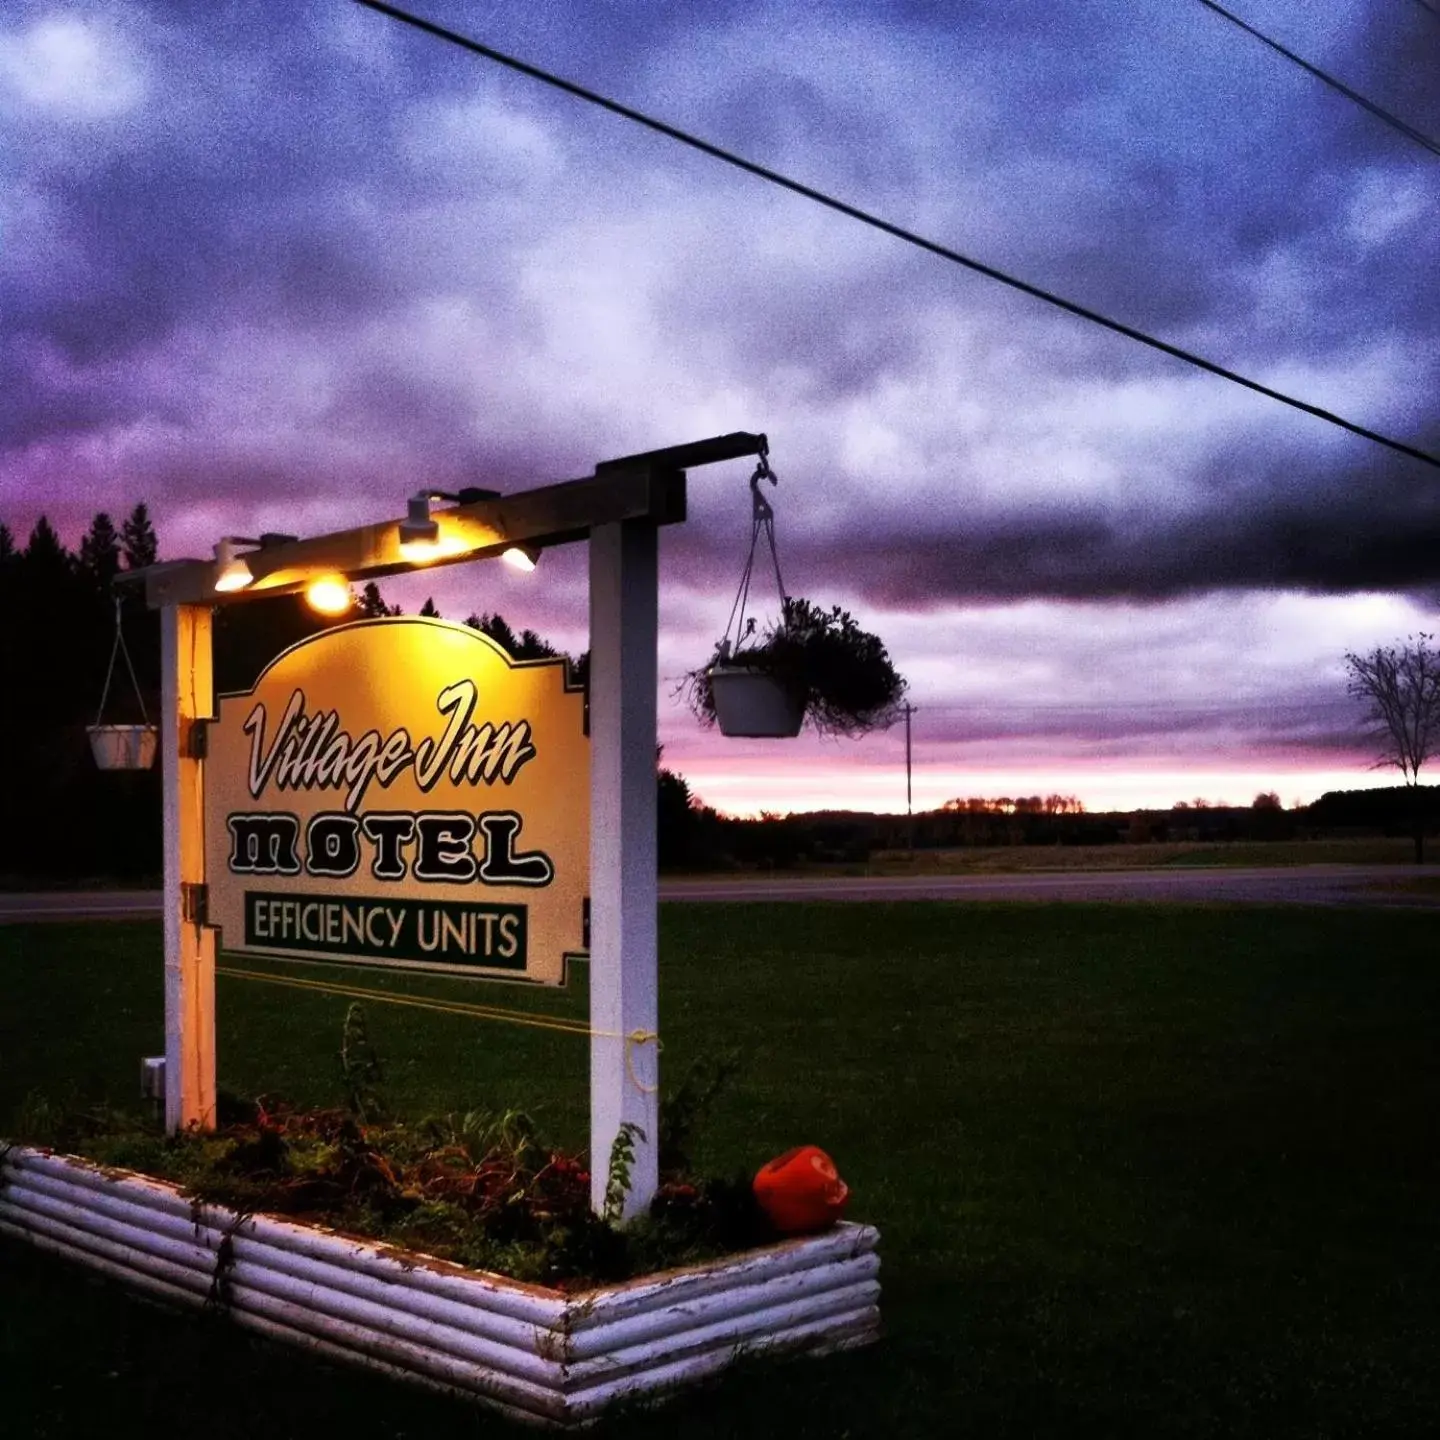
(194, 903)
(197, 740)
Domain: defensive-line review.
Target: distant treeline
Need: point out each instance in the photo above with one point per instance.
(711, 841)
(1390, 810)
(64, 820)
(700, 839)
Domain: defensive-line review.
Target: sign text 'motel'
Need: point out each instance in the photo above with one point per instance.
(400, 792)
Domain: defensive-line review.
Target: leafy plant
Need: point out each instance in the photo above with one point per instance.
(843, 674)
(622, 1163)
(361, 1072)
(39, 1120)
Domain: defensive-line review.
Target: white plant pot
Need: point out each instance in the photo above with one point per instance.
(538, 1354)
(123, 747)
(753, 704)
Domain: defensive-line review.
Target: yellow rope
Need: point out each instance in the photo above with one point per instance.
(560, 1023)
(634, 1038)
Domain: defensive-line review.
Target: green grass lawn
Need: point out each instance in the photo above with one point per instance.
(1137, 1170)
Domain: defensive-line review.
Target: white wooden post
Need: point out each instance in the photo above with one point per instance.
(624, 1067)
(188, 695)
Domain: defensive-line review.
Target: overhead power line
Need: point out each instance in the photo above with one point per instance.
(865, 217)
(1121, 707)
(1383, 115)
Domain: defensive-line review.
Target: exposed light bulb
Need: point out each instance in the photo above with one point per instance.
(330, 595)
(423, 548)
(441, 547)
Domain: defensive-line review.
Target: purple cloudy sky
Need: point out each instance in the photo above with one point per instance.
(272, 266)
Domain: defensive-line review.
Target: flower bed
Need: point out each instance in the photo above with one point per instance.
(536, 1352)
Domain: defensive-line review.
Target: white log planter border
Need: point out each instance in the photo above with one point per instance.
(536, 1353)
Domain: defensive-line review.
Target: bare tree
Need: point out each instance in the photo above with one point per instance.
(1400, 685)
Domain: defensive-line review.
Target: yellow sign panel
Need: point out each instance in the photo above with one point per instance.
(400, 792)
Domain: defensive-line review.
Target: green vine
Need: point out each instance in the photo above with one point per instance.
(619, 1177)
(361, 1072)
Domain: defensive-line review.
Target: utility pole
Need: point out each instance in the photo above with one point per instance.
(909, 794)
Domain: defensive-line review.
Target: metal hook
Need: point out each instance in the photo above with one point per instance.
(760, 506)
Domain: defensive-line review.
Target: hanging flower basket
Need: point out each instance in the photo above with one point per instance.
(813, 665)
(750, 703)
(123, 747)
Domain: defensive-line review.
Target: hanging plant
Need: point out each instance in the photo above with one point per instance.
(122, 747)
(813, 665)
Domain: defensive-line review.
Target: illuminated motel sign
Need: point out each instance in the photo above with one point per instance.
(399, 792)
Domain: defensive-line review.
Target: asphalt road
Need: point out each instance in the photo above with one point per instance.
(1278, 885)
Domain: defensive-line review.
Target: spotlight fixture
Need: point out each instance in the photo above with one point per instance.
(419, 534)
(420, 538)
(231, 570)
(330, 595)
(522, 557)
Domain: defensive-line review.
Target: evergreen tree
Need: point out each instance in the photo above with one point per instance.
(48, 580)
(45, 553)
(50, 625)
(428, 609)
(9, 588)
(676, 820)
(100, 553)
(372, 604)
(497, 629)
(526, 646)
(137, 537)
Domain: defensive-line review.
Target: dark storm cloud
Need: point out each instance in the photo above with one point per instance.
(1369, 539)
(1096, 560)
(1121, 730)
(1156, 165)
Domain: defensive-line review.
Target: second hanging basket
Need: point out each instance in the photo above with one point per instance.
(122, 747)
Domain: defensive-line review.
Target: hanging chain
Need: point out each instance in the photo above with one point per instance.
(119, 645)
(762, 522)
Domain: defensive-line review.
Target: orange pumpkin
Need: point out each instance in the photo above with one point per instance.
(801, 1191)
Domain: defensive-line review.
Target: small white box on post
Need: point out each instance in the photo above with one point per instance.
(624, 891)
